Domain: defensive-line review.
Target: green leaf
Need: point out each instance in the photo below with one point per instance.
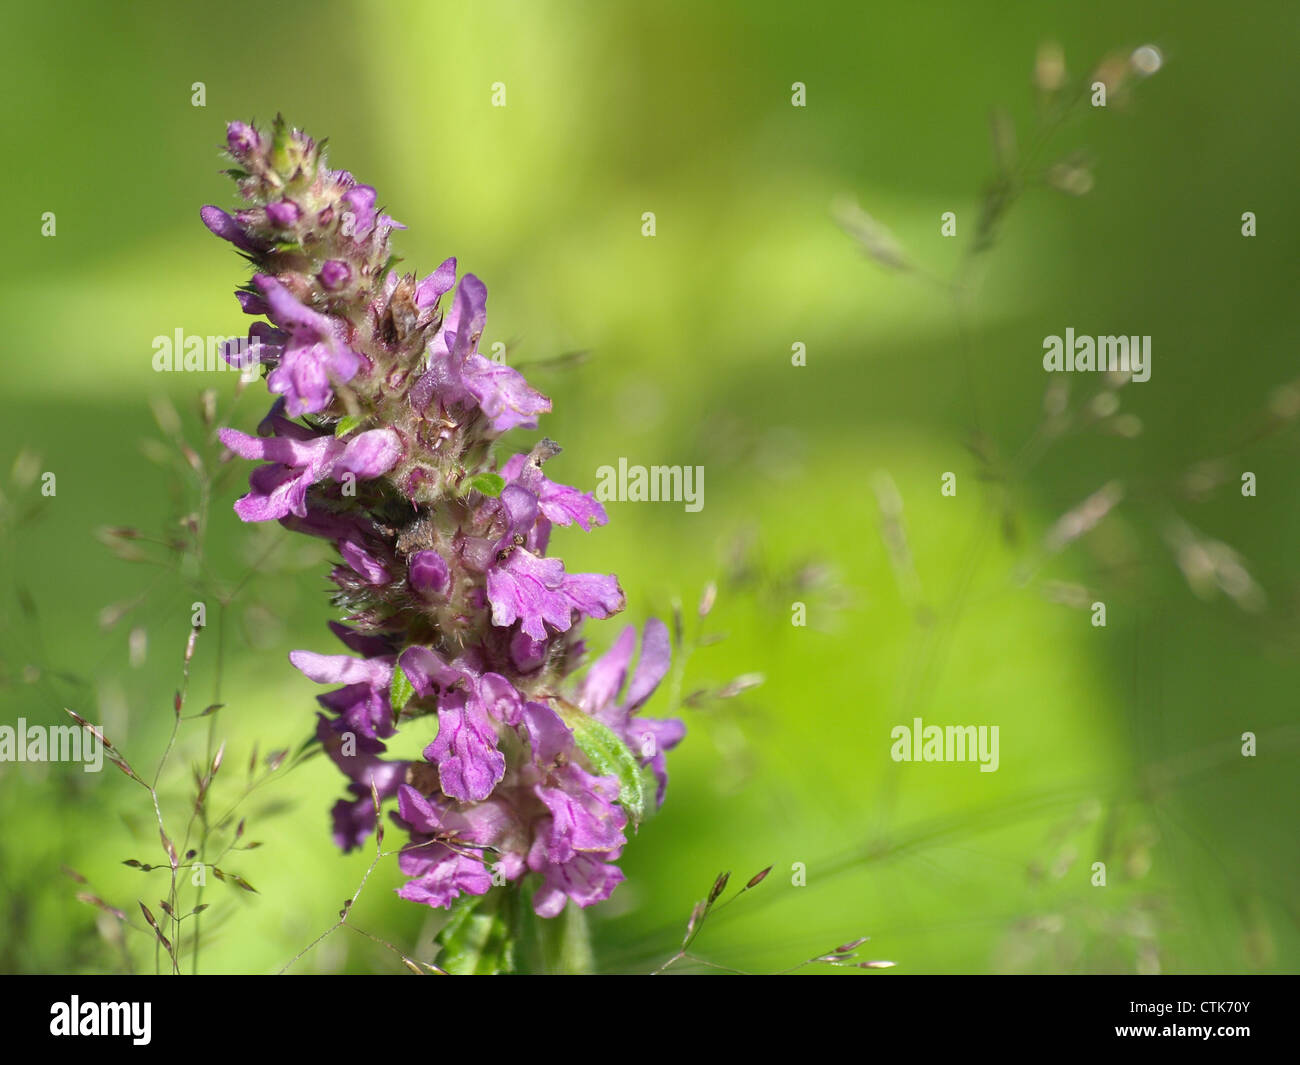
(400, 691)
(476, 941)
(490, 484)
(609, 756)
(347, 423)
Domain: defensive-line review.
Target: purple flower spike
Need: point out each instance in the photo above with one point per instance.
(382, 441)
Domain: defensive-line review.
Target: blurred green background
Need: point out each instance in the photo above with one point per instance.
(1119, 744)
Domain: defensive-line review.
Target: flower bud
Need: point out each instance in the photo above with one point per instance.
(242, 140)
(429, 575)
(526, 653)
(283, 214)
(335, 274)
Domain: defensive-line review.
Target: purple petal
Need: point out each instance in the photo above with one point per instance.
(584, 817)
(649, 738)
(526, 589)
(276, 491)
(514, 466)
(499, 698)
(224, 226)
(427, 672)
(451, 876)
(252, 304)
(362, 708)
(283, 213)
(537, 592)
(436, 285)
(300, 321)
(364, 563)
(520, 509)
(586, 880)
(242, 140)
(303, 379)
(502, 393)
(311, 453)
(464, 323)
(418, 812)
(548, 736)
(605, 678)
(564, 506)
(594, 595)
(526, 653)
(353, 820)
(357, 755)
(370, 455)
(334, 274)
(360, 201)
(465, 750)
(656, 656)
(361, 642)
(342, 669)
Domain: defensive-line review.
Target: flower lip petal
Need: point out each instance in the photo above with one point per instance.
(466, 750)
(503, 394)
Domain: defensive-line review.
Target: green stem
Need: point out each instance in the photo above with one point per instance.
(551, 946)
